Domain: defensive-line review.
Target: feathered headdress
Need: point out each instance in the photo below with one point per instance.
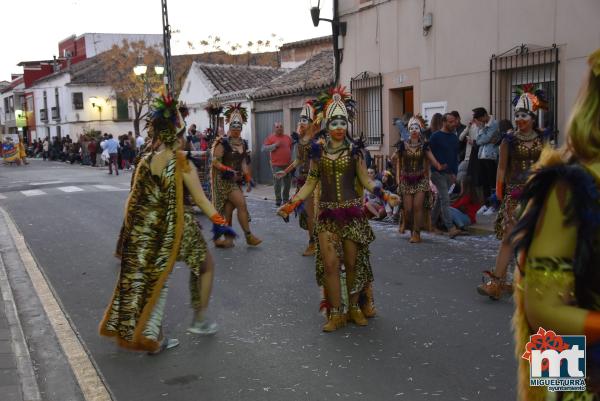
(235, 113)
(165, 119)
(418, 120)
(214, 109)
(529, 99)
(335, 102)
(308, 110)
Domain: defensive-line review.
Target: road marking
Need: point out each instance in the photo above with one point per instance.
(46, 182)
(107, 187)
(90, 382)
(33, 192)
(70, 189)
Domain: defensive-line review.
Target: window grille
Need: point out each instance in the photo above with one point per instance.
(523, 65)
(367, 90)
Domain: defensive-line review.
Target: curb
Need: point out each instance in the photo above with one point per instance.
(29, 387)
(89, 379)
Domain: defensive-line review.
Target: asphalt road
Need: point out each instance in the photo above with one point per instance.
(434, 338)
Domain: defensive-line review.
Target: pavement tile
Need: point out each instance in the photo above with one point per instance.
(4, 333)
(5, 347)
(8, 377)
(7, 361)
(11, 393)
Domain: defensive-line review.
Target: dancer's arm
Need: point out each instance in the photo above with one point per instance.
(293, 165)
(247, 174)
(217, 156)
(549, 280)
(369, 185)
(501, 172)
(303, 193)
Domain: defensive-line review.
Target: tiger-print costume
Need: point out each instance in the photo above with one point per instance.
(158, 230)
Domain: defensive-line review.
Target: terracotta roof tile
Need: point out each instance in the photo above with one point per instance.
(315, 74)
(234, 78)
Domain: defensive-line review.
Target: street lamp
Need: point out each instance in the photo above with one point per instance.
(338, 31)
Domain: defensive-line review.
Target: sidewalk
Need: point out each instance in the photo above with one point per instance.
(10, 384)
(484, 225)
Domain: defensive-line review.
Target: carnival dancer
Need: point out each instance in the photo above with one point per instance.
(337, 165)
(304, 136)
(558, 275)
(158, 231)
(412, 169)
(518, 152)
(231, 170)
(10, 151)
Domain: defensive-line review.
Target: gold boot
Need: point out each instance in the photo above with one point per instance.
(367, 304)
(495, 287)
(310, 249)
(252, 240)
(226, 242)
(336, 320)
(356, 316)
(415, 238)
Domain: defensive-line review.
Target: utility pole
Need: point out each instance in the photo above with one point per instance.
(167, 49)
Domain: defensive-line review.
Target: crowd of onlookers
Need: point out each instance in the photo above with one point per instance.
(463, 191)
(90, 150)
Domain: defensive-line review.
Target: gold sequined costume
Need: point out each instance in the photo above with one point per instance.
(520, 159)
(231, 152)
(340, 206)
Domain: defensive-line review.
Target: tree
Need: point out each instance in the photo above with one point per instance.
(137, 90)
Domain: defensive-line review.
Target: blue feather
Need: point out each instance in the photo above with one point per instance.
(299, 209)
(227, 174)
(219, 230)
(295, 137)
(314, 153)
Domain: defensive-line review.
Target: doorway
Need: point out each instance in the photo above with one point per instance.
(401, 102)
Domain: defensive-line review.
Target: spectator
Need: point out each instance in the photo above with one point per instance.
(280, 147)
(444, 146)
(464, 209)
(488, 140)
(112, 147)
(127, 154)
(139, 142)
(46, 148)
(92, 149)
(459, 130)
(434, 126)
(373, 205)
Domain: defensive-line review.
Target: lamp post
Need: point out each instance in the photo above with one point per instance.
(141, 69)
(167, 48)
(338, 31)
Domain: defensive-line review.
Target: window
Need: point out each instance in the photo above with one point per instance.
(121, 112)
(523, 66)
(77, 101)
(366, 90)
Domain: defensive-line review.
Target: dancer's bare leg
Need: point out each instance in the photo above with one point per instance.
(331, 264)
(350, 254)
(236, 198)
(205, 284)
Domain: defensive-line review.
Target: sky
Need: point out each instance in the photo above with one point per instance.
(31, 29)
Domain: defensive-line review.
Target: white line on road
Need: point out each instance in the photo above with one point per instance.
(90, 382)
(33, 192)
(107, 187)
(46, 182)
(70, 189)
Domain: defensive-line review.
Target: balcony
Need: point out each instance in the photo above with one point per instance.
(44, 114)
(55, 113)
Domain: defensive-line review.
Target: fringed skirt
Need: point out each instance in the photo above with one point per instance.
(507, 213)
(346, 222)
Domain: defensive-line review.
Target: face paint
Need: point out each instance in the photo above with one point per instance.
(523, 121)
(235, 125)
(336, 124)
